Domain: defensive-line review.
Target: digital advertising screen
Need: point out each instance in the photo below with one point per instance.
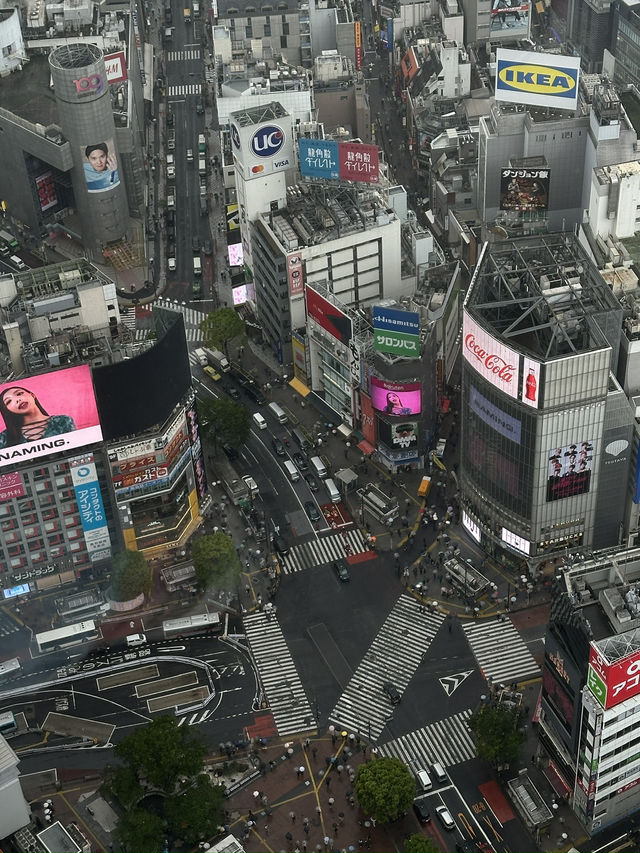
(236, 255)
(239, 294)
(329, 316)
(398, 435)
(569, 470)
(396, 398)
(47, 414)
(46, 191)
(510, 18)
(524, 189)
(100, 166)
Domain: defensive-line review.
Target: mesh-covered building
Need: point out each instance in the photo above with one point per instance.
(546, 429)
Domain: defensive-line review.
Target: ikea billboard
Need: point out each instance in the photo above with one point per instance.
(537, 79)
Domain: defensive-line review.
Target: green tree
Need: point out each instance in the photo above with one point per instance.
(130, 575)
(161, 752)
(385, 788)
(122, 781)
(140, 830)
(196, 813)
(498, 734)
(222, 326)
(215, 560)
(224, 422)
(419, 843)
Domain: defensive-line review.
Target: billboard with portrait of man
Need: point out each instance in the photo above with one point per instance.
(100, 166)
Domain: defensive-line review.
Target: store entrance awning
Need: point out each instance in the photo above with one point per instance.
(557, 782)
(366, 448)
(300, 387)
(345, 431)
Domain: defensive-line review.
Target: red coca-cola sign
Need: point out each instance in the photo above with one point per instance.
(498, 363)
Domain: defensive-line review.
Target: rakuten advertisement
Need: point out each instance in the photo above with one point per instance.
(496, 362)
(613, 683)
(47, 414)
(396, 398)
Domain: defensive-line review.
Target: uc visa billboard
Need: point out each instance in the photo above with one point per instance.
(263, 148)
(396, 332)
(613, 682)
(537, 79)
(338, 161)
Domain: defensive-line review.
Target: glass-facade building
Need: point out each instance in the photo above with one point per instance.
(541, 409)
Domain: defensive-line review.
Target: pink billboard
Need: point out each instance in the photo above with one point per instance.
(396, 398)
(358, 162)
(11, 486)
(47, 414)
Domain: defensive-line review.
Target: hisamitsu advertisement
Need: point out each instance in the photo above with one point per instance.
(47, 414)
(396, 398)
(537, 79)
(396, 332)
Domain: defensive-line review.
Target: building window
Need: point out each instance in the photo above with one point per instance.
(283, 41)
(285, 27)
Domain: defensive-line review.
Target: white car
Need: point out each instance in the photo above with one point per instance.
(171, 263)
(444, 816)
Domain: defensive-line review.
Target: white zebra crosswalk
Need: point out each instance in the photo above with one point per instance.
(325, 550)
(394, 656)
(501, 652)
(447, 741)
(184, 89)
(282, 686)
(182, 55)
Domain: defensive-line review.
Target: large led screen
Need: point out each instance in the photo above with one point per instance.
(396, 398)
(46, 414)
(569, 470)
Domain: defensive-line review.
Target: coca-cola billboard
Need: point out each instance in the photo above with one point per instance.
(499, 364)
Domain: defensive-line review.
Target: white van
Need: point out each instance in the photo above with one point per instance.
(334, 494)
(318, 467)
(439, 772)
(259, 421)
(136, 640)
(424, 780)
(18, 262)
(291, 470)
(280, 416)
(197, 266)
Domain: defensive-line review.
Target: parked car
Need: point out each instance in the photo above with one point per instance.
(312, 511)
(207, 248)
(233, 392)
(342, 572)
(195, 243)
(300, 461)
(278, 447)
(231, 452)
(422, 811)
(311, 482)
(392, 692)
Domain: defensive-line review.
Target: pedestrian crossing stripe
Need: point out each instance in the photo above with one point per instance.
(187, 89)
(182, 55)
(450, 683)
(501, 652)
(278, 674)
(394, 655)
(448, 742)
(324, 551)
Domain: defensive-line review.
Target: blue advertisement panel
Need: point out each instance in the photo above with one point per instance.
(503, 423)
(92, 515)
(537, 79)
(636, 497)
(392, 320)
(319, 158)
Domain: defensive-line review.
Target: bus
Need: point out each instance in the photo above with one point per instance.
(71, 635)
(9, 668)
(8, 723)
(189, 624)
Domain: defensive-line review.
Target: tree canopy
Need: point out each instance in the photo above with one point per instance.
(419, 843)
(223, 421)
(222, 326)
(141, 830)
(385, 788)
(197, 812)
(498, 736)
(215, 560)
(161, 753)
(130, 575)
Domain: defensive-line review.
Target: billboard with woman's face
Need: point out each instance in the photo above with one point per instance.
(100, 166)
(47, 414)
(396, 398)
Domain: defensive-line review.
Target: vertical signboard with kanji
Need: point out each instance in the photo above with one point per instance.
(358, 39)
(358, 162)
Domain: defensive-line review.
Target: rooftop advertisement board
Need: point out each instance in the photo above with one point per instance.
(48, 413)
(327, 315)
(613, 683)
(537, 79)
(344, 161)
(497, 363)
(396, 332)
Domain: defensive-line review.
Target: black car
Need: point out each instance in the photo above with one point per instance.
(207, 247)
(195, 243)
(231, 452)
(280, 544)
(278, 447)
(422, 812)
(170, 118)
(312, 511)
(300, 461)
(200, 108)
(233, 392)
(342, 572)
(170, 217)
(311, 482)
(392, 692)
